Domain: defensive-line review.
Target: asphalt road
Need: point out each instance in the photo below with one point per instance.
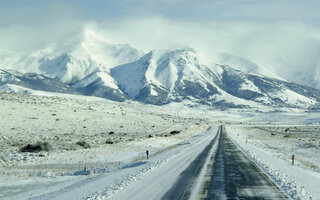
(182, 189)
(230, 174)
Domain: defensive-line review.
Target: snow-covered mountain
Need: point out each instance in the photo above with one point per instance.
(83, 66)
(160, 77)
(73, 62)
(33, 81)
(163, 76)
(97, 67)
(100, 84)
(267, 91)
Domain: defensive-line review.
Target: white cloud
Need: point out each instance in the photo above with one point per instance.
(281, 35)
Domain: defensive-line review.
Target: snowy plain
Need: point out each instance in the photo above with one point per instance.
(82, 132)
(97, 148)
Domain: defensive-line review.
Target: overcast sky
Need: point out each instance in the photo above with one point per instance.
(282, 35)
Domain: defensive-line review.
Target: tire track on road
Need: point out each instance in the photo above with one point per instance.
(182, 189)
(235, 176)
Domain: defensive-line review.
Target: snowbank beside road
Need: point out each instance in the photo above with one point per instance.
(297, 182)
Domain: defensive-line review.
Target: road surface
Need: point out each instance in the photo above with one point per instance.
(229, 175)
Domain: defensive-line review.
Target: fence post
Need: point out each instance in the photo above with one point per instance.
(292, 157)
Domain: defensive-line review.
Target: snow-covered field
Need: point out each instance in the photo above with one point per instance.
(96, 149)
(79, 132)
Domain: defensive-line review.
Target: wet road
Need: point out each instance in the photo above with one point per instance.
(229, 175)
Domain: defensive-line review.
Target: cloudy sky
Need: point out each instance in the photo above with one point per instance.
(281, 35)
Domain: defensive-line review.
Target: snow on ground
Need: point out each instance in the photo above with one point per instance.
(78, 133)
(158, 175)
(293, 98)
(271, 148)
(249, 85)
(99, 146)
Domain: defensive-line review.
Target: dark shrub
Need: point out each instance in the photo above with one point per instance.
(83, 144)
(109, 142)
(174, 132)
(40, 146)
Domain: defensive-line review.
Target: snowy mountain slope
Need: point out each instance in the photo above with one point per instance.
(267, 91)
(7, 77)
(164, 76)
(73, 62)
(34, 81)
(16, 89)
(67, 68)
(100, 84)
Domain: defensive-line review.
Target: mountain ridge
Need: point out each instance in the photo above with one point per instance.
(157, 77)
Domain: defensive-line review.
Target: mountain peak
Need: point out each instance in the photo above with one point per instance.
(161, 71)
(74, 61)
